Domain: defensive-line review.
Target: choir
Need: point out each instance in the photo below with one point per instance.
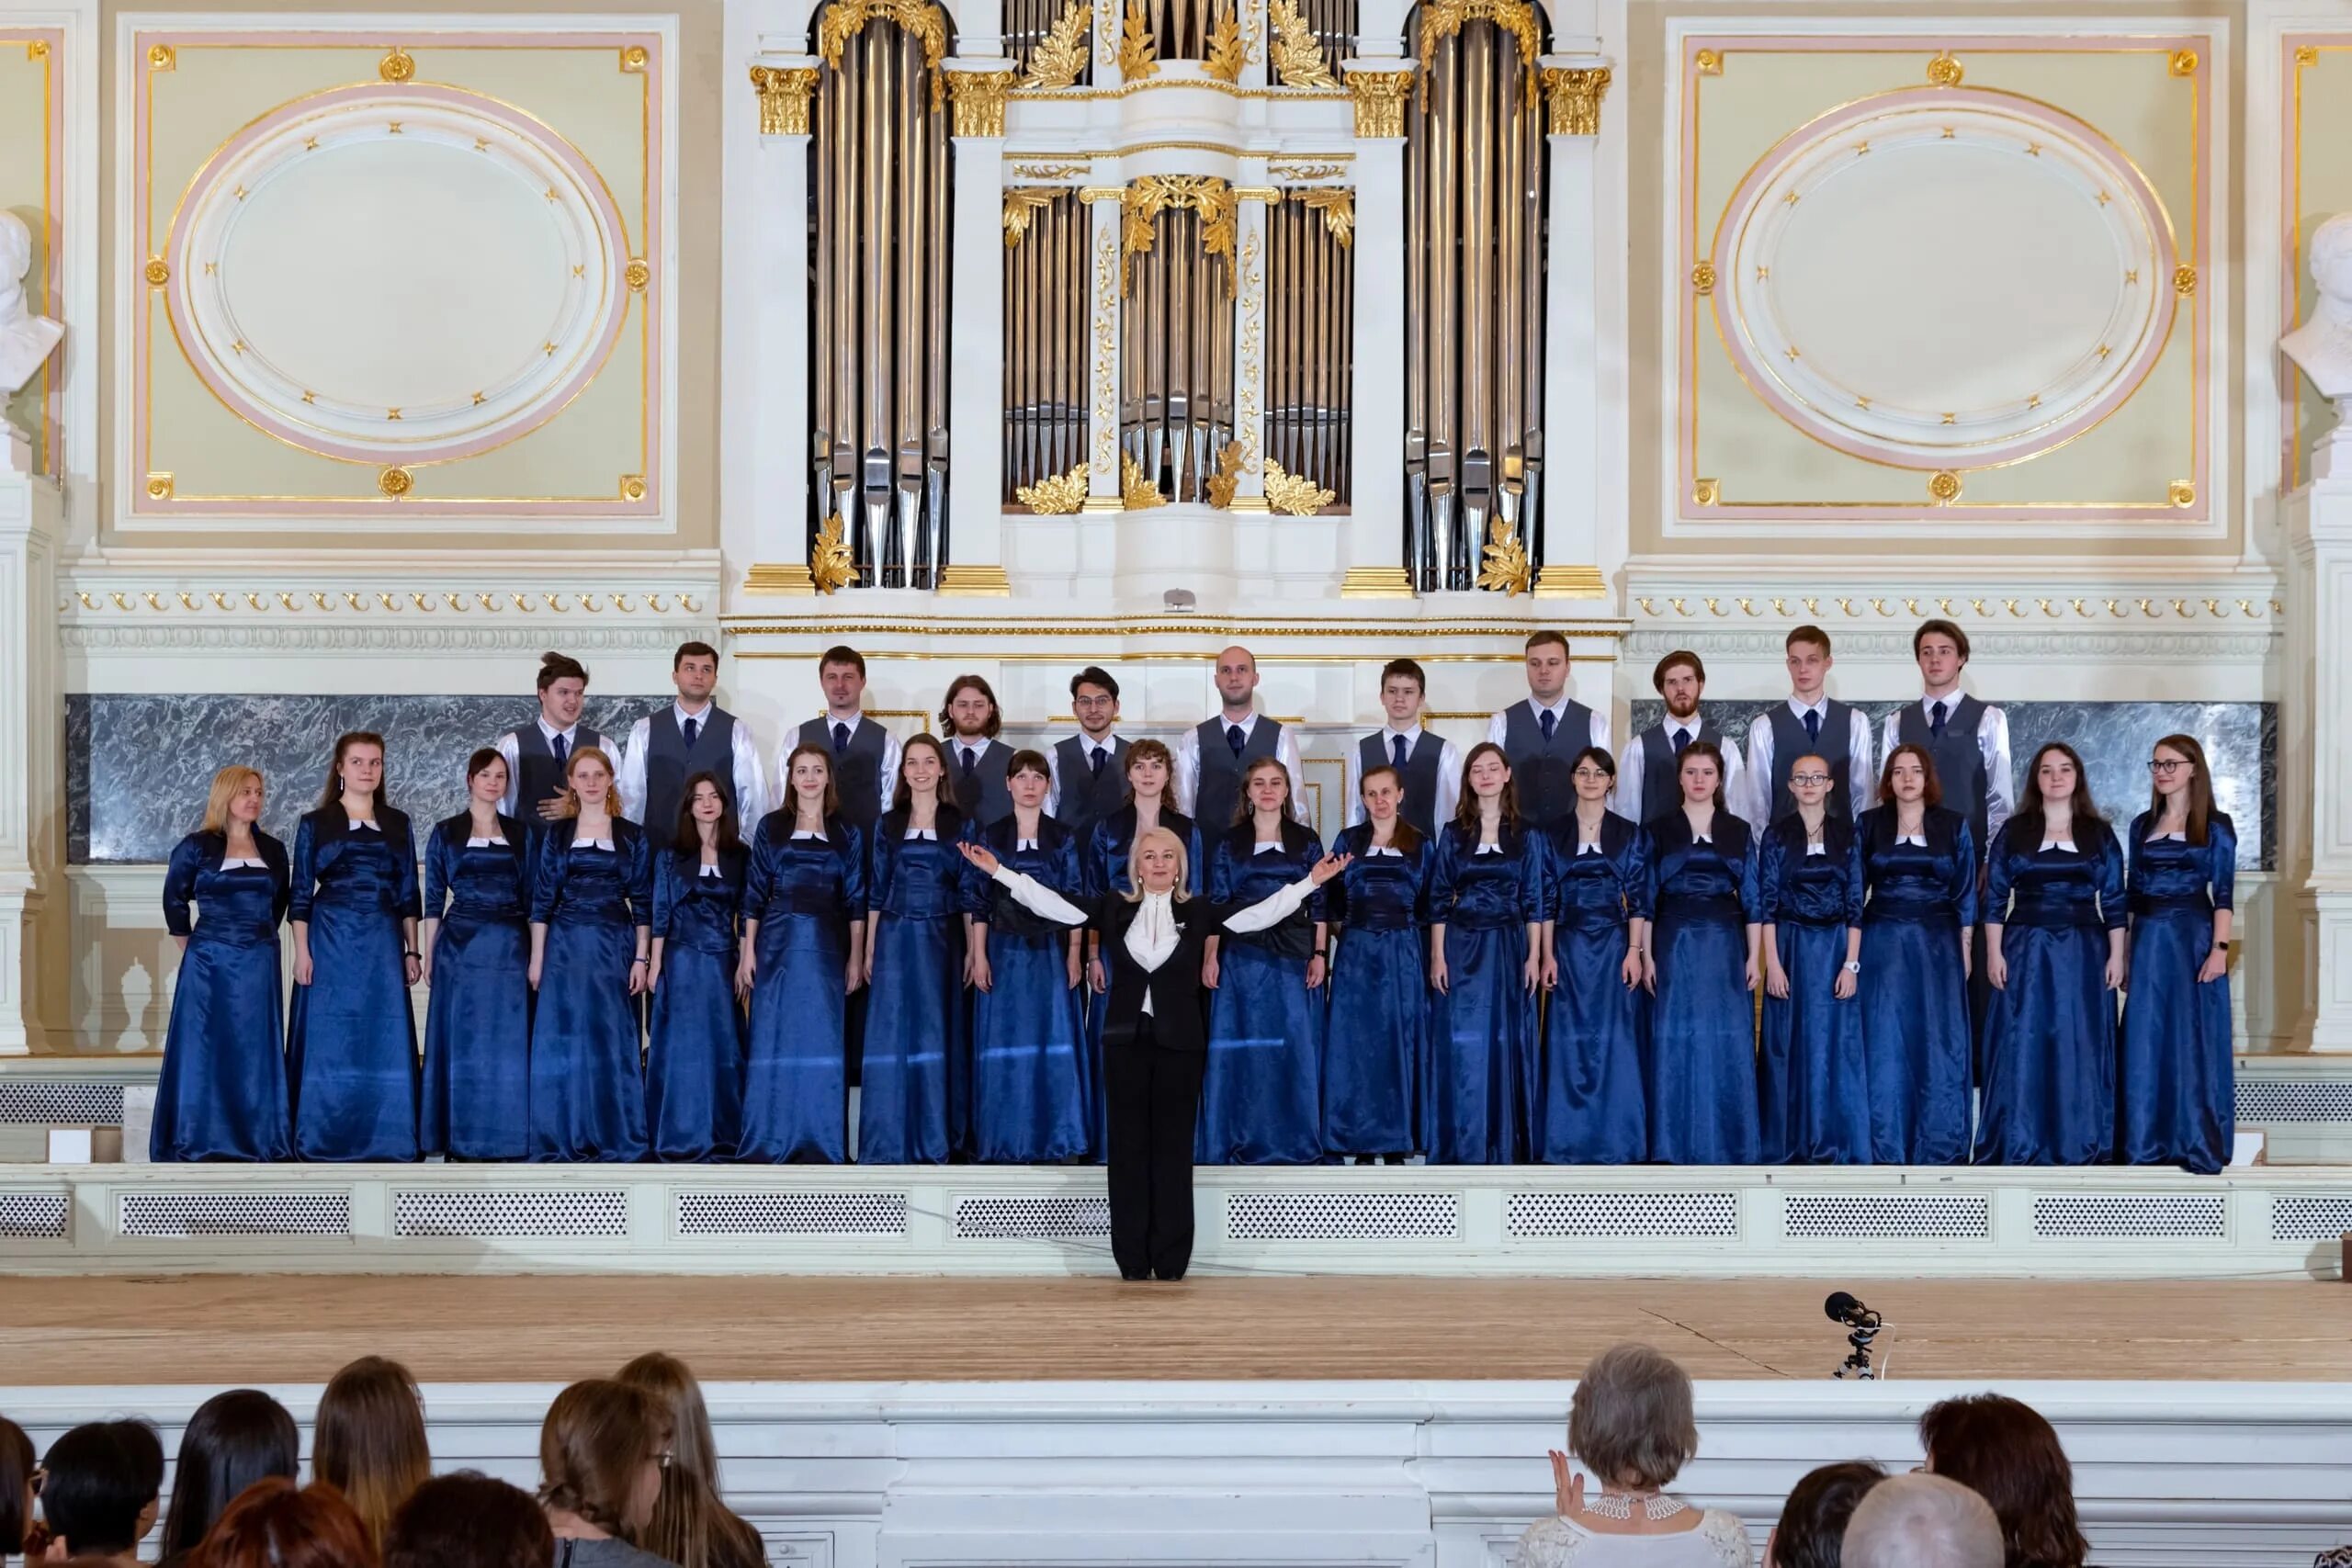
(1525, 953)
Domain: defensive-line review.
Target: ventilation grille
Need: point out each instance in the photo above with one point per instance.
(1823, 1216)
(2311, 1219)
(2108, 1217)
(1342, 1216)
(182, 1216)
(1631, 1216)
(62, 1104)
(1031, 1219)
(601, 1214)
(2294, 1100)
(34, 1216)
(792, 1214)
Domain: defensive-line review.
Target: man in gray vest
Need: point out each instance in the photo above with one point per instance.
(976, 758)
(1429, 764)
(1542, 735)
(1649, 776)
(693, 735)
(1090, 767)
(1969, 739)
(1811, 723)
(865, 755)
(536, 753)
(1212, 758)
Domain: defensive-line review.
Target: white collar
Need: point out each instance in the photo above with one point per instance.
(2177, 836)
(1087, 743)
(1950, 699)
(1383, 849)
(1589, 847)
(1248, 726)
(498, 843)
(929, 835)
(591, 843)
(1557, 710)
(1917, 840)
(362, 825)
(702, 869)
(809, 833)
(551, 733)
(235, 862)
(827, 718)
(1690, 726)
(1485, 849)
(2067, 845)
(709, 711)
(1019, 844)
(1820, 705)
(1411, 735)
(1274, 848)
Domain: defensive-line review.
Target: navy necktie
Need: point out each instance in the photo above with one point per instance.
(1235, 738)
(561, 748)
(841, 740)
(1681, 740)
(1096, 762)
(1935, 721)
(1398, 741)
(1548, 720)
(971, 760)
(692, 726)
(1813, 727)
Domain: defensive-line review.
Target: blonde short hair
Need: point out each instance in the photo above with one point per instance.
(1134, 895)
(225, 785)
(1631, 1421)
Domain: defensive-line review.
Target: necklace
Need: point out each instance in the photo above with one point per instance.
(1619, 1506)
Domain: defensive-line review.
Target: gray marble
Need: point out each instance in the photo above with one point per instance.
(138, 768)
(2241, 741)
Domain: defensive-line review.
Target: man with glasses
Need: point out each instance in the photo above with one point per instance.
(1090, 767)
(1648, 775)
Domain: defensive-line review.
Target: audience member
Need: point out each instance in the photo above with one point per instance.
(232, 1440)
(2341, 1557)
(99, 1490)
(369, 1444)
(276, 1524)
(690, 1526)
(1632, 1425)
(2006, 1453)
(16, 1489)
(1813, 1521)
(469, 1520)
(602, 1452)
(1922, 1521)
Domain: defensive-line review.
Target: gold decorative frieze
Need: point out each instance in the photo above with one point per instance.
(1061, 57)
(1051, 171)
(1989, 605)
(1054, 497)
(1444, 18)
(979, 100)
(1020, 207)
(1294, 493)
(1227, 53)
(1503, 564)
(787, 577)
(1380, 102)
(1151, 195)
(1337, 206)
(429, 601)
(397, 66)
(829, 566)
(1295, 53)
(1105, 410)
(1307, 170)
(784, 93)
(1138, 56)
(1574, 95)
(395, 482)
(1943, 71)
(844, 19)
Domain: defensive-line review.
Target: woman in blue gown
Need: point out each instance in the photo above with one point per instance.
(1919, 874)
(222, 1095)
(351, 1037)
(1032, 1093)
(1377, 1042)
(1261, 1092)
(2177, 1092)
(2055, 959)
(477, 966)
(1485, 914)
(1700, 969)
(803, 954)
(696, 1029)
(1813, 1095)
(1590, 1108)
(591, 908)
(1104, 857)
(918, 1055)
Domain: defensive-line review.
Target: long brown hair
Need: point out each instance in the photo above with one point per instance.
(369, 1441)
(1714, 755)
(1242, 807)
(2004, 1450)
(2200, 787)
(690, 1526)
(275, 1524)
(957, 688)
(902, 798)
(225, 785)
(383, 799)
(1466, 807)
(831, 803)
(686, 836)
(2028, 820)
(596, 1433)
(1930, 797)
(1404, 837)
(1149, 751)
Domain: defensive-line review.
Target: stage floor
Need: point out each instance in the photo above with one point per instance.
(228, 1329)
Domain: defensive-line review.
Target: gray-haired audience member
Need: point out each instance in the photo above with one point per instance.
(1923, 1521)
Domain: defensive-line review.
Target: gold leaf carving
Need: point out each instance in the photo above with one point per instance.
(1054, 497)
(1337, 206)
(1020, 207)
(1306, 172)
(1060, 59)
(1380, 102)
(1294, 493)
(1504, 561)
(1138, 56)
(1296, 53)
(1226, 53)
(1573, 94)
(844, 19)
(784, 93)
(1227, 477)
(1444, 18)
(979, 101)
(829, 566)
(1149, 196)
(1136, 491)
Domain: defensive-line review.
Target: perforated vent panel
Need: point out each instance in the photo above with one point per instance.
(1342, 1216)
(2294, 1100)
(792, 1213)
(35, 1216)
(1031, 1219)
(2317, 1218)
(62, 1104)
(601, 1214)
(2099, 1216)
(181, 1216)
(1629, 1217)
(1829, 1216)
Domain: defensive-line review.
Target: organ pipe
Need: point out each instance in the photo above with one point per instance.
(1044, 336)
(1310, 362)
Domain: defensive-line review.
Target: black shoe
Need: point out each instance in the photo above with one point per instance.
(1134, 1274)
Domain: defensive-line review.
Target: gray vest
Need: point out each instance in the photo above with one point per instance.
(1789, 743)
(1086, 797)
(669, 761)
(542, 773)
(1661, 771)
(1217, 794)
(1544, 772)
(981, 793)
(857, 772)
(1378, 751)
(1960, 763)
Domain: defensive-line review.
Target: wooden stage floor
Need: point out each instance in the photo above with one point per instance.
(220, 1330)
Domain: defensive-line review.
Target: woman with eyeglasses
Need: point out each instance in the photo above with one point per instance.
(1919, 874)
(2175, 1090)
(1378, 1032)
(2053, 950)
(603, 1449)
(1591, 1109)
(1812, 1081)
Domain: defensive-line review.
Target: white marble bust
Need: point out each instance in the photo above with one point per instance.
(2322, 347)
(25, 339)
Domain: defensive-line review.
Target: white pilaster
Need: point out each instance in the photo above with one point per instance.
(1104, 279)
(1250, 325)
(32, 785)
(1374, 566)
(1572, 444)
(764, 398)
(975, 330)
(2315, 751)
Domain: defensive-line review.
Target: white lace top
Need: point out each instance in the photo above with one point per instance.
(1720, 1541)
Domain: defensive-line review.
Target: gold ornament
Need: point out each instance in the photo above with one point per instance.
(1227, 477)
(161, 58)
(830, 567)
(159, 486)
(2183, 62)
(784, 93)
(159, 272)
(1149, 196)
(979, 101)
(2182, 493)
(1943, 71)
(1020, 207)
(634, 57)
(397, 66)
(1575, 94)
(1380, 102)
(1137, 492)
(1706, 492)
(1504, 561)
(2184, 280)
(1444, 18)
(1054, 497)
(1060, 59)
(1708, 62)
(1138, 56)
(1227, 55)
(844, 19)
(1294, 493)
(395, 483)
(1337, 206)
(1943, 485)
(637, 274)
(632, 487)
(1296, 53)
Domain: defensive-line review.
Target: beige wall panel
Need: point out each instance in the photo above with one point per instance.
(2318, 136)
(31, 158)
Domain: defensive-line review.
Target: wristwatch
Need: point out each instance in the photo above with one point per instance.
(1853, 966)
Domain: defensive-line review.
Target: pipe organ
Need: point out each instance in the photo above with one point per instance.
(1176, 386)
(1044, 336)
(1310, 358)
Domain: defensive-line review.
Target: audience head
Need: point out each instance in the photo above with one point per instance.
(17, 1463)
(100, 1489)
(232, 1440)
(690, 1526)
(1631, 1422)
(563, 689)
(2009, 1455)
(469, 1520)
(601, 1451)
(1922, 1521)
(368, 1442)
(276, 1524)
(236, 798)
(1813, 1521)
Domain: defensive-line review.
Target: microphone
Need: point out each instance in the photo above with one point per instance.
(1843, 1307)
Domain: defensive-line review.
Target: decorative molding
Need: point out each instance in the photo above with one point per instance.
(1894, 647)
(1150, 195)
(1376, 582)
(1574, 95)
(831, 568)
(346, 636)
(1562, 581)
(1061, 57)
(976, 582)
(783, 92)
(1296, 54)
(1380, 102)
(844, 19)
(1504, 565)
(979, 100)
(1058, 496)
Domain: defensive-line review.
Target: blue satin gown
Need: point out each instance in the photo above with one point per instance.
(2049, 1095)
(1261, 1099)
(1592, 1109)
(478, 1011)
(1032, 1094)
(1916, 1034)
(1375, 1053)
(805, 892)
(1102, 862)
(350, 1037)
(696, 1032)
(587, 1074)
(1699, 1068)
(1813, 1096)
(1486, 1053)
(2177, 1090)
(918, 1055)
(222, 1095)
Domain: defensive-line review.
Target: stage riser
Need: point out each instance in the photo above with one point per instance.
(1427, 1475)
(1574, 1221)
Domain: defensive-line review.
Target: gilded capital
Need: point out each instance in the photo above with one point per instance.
(1380, 102)
(784, 93)
(1575, 93)
(978, 101)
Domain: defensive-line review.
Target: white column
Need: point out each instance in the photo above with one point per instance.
(1376, 549)
(1249, 335)
(2315, 753)
(1572, 440)
(1104, 280)
(32, 792)
(763, 536)
(976, 330)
